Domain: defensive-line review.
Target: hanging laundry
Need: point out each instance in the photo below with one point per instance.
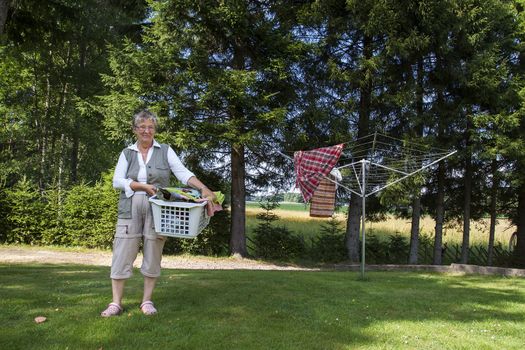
(322, 204)
(312, 166)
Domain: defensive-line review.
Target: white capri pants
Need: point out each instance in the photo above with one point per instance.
(128, 235)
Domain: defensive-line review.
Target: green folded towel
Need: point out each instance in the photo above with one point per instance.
(219, 197)
(178, 194)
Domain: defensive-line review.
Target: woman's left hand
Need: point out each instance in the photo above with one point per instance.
(208, 194)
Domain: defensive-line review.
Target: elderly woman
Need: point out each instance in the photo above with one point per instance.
(141, 168)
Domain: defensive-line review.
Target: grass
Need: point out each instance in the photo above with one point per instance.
(295, 216)
(204, 309)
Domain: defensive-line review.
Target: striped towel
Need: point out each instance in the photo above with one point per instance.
(312, 166)
(322, 204)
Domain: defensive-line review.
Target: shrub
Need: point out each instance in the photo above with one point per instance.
(392, 251)
(107, 212)
(90, 214)
(82, 216)
(53, 230)
(425, 249)
(278, 243)
(329, 246)
(398, 247)
(26, 212)
(3, 215)
(376, 249)
(272, 242)
(86, 215)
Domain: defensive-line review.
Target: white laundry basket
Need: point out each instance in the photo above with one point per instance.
(178, 219)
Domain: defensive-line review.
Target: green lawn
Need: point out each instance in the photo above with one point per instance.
(214, 309)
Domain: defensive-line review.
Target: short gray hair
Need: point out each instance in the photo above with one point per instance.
(144, 115)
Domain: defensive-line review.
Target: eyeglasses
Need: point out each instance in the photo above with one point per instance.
(144, 128)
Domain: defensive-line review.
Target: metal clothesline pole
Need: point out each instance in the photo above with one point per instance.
(363, 203)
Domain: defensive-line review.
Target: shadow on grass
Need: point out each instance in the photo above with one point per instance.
(204, 309)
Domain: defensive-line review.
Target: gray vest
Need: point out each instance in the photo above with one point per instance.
(157, 171)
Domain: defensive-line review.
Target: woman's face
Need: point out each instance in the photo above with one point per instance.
(145, 131)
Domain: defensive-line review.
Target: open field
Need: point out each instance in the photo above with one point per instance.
(219, 309)
(295, 216)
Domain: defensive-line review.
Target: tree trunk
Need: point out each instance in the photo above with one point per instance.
(440, 215)
(416, 201)
(76, 120)
(61, 160)
(353, 222)
(62, 146)
(519, 252)
(238, 168)
(440, 196)
(43, 135)
(352, 228)
(493, 214)
(238, 195)
(414, 230)
(74, 152)
(4, 8)
(467, 195)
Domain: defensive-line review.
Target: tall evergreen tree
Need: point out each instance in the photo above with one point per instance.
(220, 72)
(352, 56)
(514, 140)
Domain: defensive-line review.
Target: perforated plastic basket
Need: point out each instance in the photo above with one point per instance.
(178, 219)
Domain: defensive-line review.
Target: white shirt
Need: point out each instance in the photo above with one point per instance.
(121, 182)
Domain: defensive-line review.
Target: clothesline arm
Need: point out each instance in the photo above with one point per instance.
(412, 173)
(343, 186)
(284, 155)
(389, 168)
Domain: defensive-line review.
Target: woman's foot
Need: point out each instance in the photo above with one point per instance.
(147, 308)
(113, 309)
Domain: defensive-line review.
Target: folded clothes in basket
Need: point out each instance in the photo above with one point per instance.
(215, 205)
(173, 194)
(219, 197)
(212, 207)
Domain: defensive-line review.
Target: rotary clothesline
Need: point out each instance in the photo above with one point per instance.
(386, 161)
(374, 163)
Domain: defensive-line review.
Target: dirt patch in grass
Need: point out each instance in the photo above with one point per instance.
(41, 255)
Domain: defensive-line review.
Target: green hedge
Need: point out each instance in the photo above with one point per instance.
(81, 216)
(85, 216)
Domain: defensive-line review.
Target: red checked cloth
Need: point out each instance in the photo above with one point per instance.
(311, 166)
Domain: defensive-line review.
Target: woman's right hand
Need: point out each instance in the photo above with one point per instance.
(151, 190)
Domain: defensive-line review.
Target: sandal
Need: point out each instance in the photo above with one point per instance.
(147, 308)
(113, 309)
